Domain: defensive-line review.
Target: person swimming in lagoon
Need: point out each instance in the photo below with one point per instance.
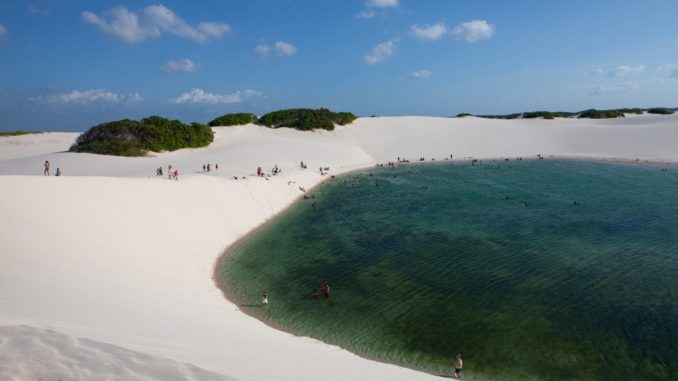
(315, 295)
(326, 289)
(264, 299)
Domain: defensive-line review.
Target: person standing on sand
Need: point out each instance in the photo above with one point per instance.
(326, 289)
(46, 172)
(458, 365)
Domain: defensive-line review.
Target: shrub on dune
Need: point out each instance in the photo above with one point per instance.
(306, 119)
(128, 137)
(236, 119)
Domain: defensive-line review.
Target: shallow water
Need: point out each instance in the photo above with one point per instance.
(495, 261)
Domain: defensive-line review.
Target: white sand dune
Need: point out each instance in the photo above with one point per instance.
(112, 253)
(27, 351)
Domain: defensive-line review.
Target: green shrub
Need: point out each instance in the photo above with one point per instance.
(660, 110)
(463, 115)
(17, 133)
(135, 138)
(234, 119)
(601, 114)
(306, 119)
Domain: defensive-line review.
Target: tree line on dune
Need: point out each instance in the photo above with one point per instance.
(300, 118)
(590, 113)
(128, 137)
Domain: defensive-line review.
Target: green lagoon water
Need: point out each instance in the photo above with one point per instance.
(425, 261)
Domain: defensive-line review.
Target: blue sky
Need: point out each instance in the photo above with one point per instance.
(67, 64)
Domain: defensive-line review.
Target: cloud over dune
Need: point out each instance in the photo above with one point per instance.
(199, 96)
(472, 31)
(280, 48)
(421, 74)
(130, 26)
(380, 52)
(86, 97)
(429, 32)
(185, 65)
(382, 3)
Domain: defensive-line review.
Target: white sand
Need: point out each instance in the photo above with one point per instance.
(111, 253)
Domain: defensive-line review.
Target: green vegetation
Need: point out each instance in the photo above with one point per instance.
(591, 113)
(661, 110)
(234, 119)
(601, 114)
(306, 119)
(547, 114)
(463, 115)
(135, 138)
(17, 133)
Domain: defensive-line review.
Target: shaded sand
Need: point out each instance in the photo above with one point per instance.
(28, 352)
(111, 253)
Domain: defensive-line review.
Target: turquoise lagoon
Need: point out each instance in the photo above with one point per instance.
(533, 270)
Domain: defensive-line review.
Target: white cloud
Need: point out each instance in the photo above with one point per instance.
(429, 32)
(421, 74)
(612, 89)
(624, 70)
(204, 97)
(263, 50)
(249, 93)
(368, 14)
(130, 26)
(214, 29)
(380, 52)
(598, 71)
(86, 97)
(472, 31)
(371, 4)
(3, 31)
(123, 24)
(285, 48)
(281, 48)
(185, 65)
(382, 3)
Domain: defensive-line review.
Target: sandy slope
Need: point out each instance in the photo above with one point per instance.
(111, 253)
(27, 351)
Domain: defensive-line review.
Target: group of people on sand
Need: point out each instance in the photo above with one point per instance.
(46, 170)
(172, 173)
(208, 167)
